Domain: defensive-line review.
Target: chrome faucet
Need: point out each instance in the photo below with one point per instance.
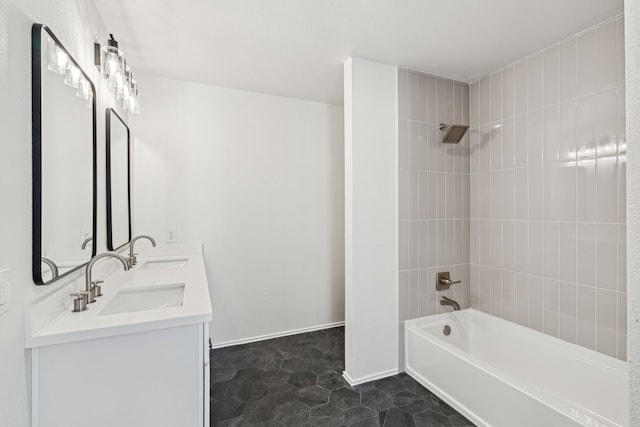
(450, 302)
(52, 265)
(86, 242)
(132, 260)
(93, 288)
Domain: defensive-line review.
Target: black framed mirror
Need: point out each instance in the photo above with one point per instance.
(118, 181)
(63, 160)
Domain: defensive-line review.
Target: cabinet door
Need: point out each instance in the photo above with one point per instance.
(146, 379)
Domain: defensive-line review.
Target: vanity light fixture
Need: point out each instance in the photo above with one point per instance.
(58, 61)
(113, 66)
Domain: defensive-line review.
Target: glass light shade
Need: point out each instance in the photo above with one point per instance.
(72, 77)
(84, 89)
(58, 60)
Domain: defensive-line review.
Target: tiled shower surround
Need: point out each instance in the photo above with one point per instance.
(433, 192)
(548, 153)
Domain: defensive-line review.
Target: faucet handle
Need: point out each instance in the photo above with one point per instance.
(97, 286)
(443, 281)
(80, 301)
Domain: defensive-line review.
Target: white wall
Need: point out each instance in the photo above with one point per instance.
(371, 220)
(632, 57)
(77, 25)
(259, 180)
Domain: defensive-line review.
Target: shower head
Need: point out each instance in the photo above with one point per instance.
(454, 133)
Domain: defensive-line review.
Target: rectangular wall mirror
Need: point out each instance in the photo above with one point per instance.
(118, 181)
(63, 160)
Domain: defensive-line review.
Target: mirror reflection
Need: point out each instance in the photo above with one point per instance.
(118, 181)
(63, 160)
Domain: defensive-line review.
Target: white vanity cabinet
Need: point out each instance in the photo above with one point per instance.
(155, 378)
(141, 364)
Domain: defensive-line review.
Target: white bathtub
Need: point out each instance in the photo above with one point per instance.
(498, 373)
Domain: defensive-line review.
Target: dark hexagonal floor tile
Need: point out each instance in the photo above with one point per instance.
(303, 379)
(331, 381)
(345, 397)
(376, 399)
(252, 391)
(358, 413)
(228, 408)
(313, 396)
(395, 417)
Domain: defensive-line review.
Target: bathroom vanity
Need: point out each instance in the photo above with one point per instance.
(137, 357)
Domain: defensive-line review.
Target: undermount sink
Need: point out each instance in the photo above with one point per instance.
(164, 264)
(145, 298)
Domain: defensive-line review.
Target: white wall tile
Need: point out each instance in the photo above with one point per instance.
(586, 63)
(521, 87)
(607, 188)
(607, 257)
(568, 70)
(412, 146)
(622, 327)
(423, 195)
(423, 244)
(521, 188)
(485, 100)
(403, 245)
(567, 252)
(521, 299)
(485, 148)
(413, 244)
(550, 192)
(495, 200)
(508, 254)
(606, 122)
(520, 141)
(403, 294)
(496, 292)
(496, 96)
(484, 242)
(413, 294)
(536, 193)
(606, 322)
(521, 246)
(432, 109)
(567, 192)
(620, 51)
(550, 135)
(402, 94)
(422, 161)
(551, 256)
(550, 307)
(508, 194)
(508, 92)
(423, 95)
(586, 250)
(496, 147)
(586, 316)
(534, 138)
(606, 60)
(567, 314)
(567, 132)
(536, 302)
(586, 191)
(508, 144)
(535, 81)
(412, 95)
(496, 244)
(622, 258)
(536, 248)
(550, 76)
(508, 295)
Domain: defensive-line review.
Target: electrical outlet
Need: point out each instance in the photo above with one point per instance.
(5, 290)
(172, 235)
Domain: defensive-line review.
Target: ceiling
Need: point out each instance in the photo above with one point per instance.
(296, 48)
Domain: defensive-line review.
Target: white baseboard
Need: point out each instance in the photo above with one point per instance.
(353, 382)
(276, 335)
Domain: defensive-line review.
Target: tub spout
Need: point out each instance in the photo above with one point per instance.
(450, 302)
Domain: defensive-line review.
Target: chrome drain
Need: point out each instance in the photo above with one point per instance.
(446, 330)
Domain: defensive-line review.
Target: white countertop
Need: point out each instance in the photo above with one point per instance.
(196, 306)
